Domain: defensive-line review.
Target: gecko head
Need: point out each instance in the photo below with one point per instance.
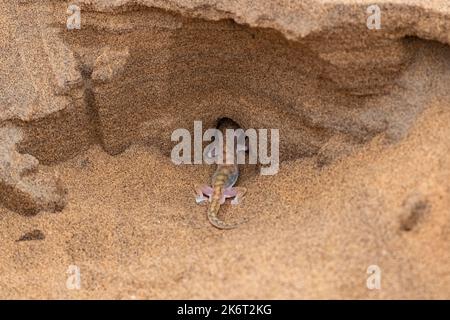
(227, 150)
(228, 141)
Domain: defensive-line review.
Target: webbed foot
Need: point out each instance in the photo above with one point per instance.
(200, 191)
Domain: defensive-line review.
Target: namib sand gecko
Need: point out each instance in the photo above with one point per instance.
(223, 180)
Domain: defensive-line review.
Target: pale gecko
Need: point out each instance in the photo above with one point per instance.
(222, 187)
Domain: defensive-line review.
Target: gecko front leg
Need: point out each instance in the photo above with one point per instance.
(200, 191)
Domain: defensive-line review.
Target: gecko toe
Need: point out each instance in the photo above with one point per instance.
(201, 199)
(235, 201)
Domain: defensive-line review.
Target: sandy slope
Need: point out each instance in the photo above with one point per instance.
(132, 227)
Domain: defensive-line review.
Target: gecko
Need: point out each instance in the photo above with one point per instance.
(222, 186)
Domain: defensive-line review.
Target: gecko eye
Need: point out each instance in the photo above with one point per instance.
(211, 153)
(242, 144)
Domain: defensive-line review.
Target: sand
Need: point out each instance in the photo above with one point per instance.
(86, 179)
(133, 228)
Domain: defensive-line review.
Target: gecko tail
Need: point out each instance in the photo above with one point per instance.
(214, 219)
(219, 224)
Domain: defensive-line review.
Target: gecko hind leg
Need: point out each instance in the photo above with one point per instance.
(238, 193)
(200, 191)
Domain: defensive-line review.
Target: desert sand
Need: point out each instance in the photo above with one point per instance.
(86, 177)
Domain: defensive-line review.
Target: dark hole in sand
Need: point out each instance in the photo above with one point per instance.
(416, 213)
(32, 235)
